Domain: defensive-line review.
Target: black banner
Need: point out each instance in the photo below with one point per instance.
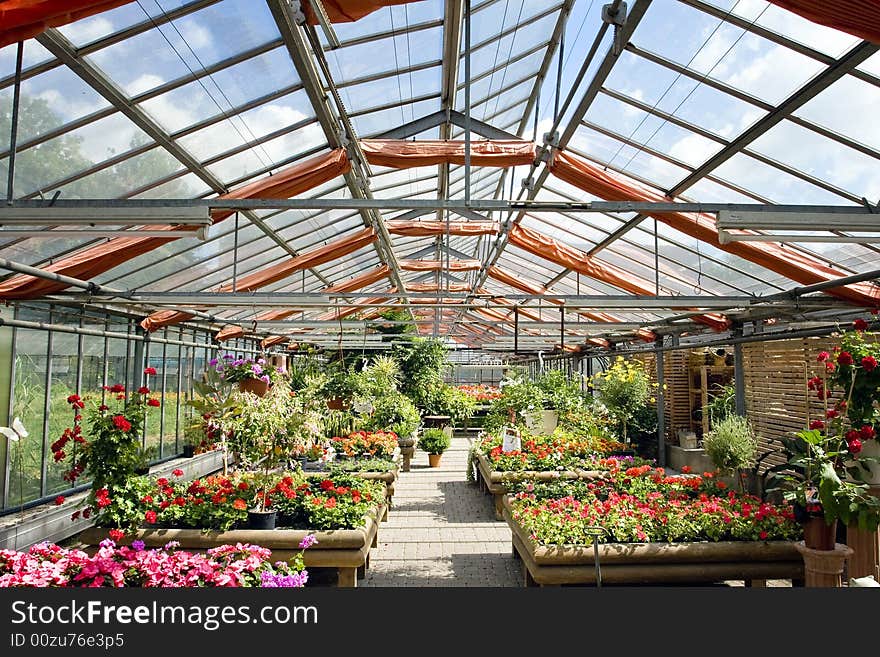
(119, 621)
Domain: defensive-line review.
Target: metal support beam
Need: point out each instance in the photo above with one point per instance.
(64, 50)
(739, 373)
(13, 125)
(661, 408)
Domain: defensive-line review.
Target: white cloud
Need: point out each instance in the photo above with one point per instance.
(143, 83)
(197, 36)
(693, 149)
(88, 30)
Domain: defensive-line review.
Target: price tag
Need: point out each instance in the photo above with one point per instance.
(510, 441)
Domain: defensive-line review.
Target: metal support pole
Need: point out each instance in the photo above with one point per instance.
(562, 328)
(558, 78)
(661, 407)
(516, 330)
(467, 101)
(13, 132)
(235, 256)
(656, 261)
(739, 378)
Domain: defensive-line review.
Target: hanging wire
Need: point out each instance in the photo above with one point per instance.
(409, 64)
(507, 63)
(678, 76)
(497, 50)
(223, 112)
(397, 65)
(567, 57)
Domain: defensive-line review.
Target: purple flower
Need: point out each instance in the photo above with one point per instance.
(308, 541)
(212, 362)
(228, 357)
(261, 361)
(265, 378)
(256, 369)
(294, 580)
(138, 545)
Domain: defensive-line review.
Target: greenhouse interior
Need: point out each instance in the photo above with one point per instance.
(440, 293)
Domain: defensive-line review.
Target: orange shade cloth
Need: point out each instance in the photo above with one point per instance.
(96, 260)
(348, 11)
(428, 228)
(272, 340)
(860, 18)
(775, 257)
(402, 154)
(434, 287)
(23, 19)
(576, 260)
(228, 333)
(362, 281)
(509, 279)
(331, 251)
(439, 265)
(291, 181)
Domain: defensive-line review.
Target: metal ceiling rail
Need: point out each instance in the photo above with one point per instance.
(59, 46)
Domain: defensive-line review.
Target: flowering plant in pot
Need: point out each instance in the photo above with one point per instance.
(254, 376)
(823, 475)
(110, 450)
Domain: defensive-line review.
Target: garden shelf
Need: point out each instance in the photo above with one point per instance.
(346, 550)
(754, 562)
(496, 482)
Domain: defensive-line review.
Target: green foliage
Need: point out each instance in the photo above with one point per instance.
(434, 441)
(623, 388)
(343, 383)
(862, 383)
(422, 362)
(722, 404)
(731, 444)
(559, 393)
(301, 369)
(394, 412)
(341, 422)
(521, 397)
(395, 315)
(381, 376)
(443, 399)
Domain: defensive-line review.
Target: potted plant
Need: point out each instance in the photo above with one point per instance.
(254, 376)
(560, 396)
(395, 412)
(340, 388)
(732, 446)
(434, 442)
(110, 451)
(623, 388)
(145, 454)
(521, 402)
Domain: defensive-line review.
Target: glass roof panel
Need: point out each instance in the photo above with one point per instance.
(848, 107)
(109, 22)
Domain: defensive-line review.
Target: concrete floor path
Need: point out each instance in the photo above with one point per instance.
(441, 530)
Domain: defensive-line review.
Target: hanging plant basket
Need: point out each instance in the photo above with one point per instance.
(255, 386)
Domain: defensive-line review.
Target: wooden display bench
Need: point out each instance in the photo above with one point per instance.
(754, 562)
(496, 483)
(346, 550)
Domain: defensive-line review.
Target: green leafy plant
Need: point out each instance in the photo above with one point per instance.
(622, 389)
(394, 412)
(559, 393)
(434, 441)
(732, 445)
(422, 362)
(521, 401)
(381, 376)
(722, 404)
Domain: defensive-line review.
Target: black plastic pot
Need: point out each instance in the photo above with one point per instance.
(261, 519)
(188, 451)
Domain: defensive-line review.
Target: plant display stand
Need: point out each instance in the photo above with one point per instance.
(823, 568)
(655, 563)
(496, 483)
(346, 550)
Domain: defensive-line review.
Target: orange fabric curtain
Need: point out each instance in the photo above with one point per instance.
(860, 18)
(439, 265)
(96, 260)
(23, 19)
(228, 333)
(331, 251)
(433, 287)
(509, 279)
(576, 260)
(402, 154)
(272, 340)
(319, 256)
(361, 281)
(775, 257)
(428, 228)
(348, 11)
(291, 181)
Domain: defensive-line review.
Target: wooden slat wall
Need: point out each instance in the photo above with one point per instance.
(777, 399)
(677, 406)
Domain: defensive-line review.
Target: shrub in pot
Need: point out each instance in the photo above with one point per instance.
(394, 412)
(732, 445)
(434, 442)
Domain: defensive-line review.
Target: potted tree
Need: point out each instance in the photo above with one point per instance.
(732, 446)
(434, 442)
(623, 388)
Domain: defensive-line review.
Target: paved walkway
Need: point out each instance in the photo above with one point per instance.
(441, 530)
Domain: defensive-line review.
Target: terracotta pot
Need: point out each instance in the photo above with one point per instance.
(818, 535)
(255, 386)
(336, 404)
(434, 460)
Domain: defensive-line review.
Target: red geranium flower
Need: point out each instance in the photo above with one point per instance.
(150, 517)
(144, 390)
(121, 423)
(177, 472)
(150, 370)
(823, 356)
(153, 402)
(685, 469)
(854, 446)
(869, 363)
(831, 414)
(118, 387)
(817, 424)
(860, 325)
(866, 432)
(844, 358)
(239, 504)
(59, 500)
(116, 534)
